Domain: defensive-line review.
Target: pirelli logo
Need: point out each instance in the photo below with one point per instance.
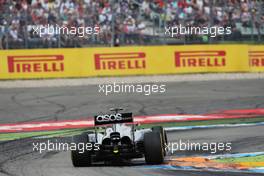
(35, 63)
(120, 61)
(200, 59)
(256, 58)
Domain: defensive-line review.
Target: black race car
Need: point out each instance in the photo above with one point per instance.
(116, 138)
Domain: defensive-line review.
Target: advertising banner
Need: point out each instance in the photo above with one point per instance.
(256, 58)
(44, 63)
(121, 61)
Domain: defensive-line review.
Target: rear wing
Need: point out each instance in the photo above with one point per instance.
(113, 118)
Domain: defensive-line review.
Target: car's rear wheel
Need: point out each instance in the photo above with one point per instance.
(81, 158)
(163, 133)
(154, 153)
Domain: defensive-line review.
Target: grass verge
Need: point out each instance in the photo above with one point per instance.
(206, 122)
(259, 158)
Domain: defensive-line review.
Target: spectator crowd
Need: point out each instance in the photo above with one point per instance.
(120, 21)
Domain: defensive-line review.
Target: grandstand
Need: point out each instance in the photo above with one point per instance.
(127, 22)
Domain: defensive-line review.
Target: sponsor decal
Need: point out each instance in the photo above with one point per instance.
(113, 118)
(200, 59)
(256, 58)
(35, 63)
(120, 61)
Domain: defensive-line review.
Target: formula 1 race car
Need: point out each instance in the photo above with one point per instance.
(116, 138)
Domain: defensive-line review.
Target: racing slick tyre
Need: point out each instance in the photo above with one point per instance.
(81, 158)
(154, 153)
(163, 133)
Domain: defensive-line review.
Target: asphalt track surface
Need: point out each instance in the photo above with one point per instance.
(42, 104)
